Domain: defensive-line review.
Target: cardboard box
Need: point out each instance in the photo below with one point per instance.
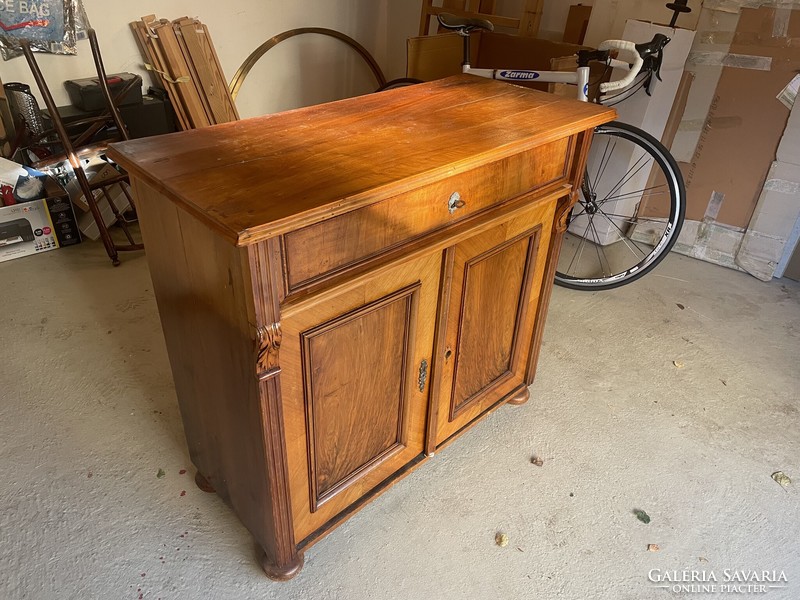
(739, 136)
(37, 226)
(97, 172)
(86, 221)
(768, 241)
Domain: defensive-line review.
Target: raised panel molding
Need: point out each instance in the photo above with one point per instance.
(353, 425)
(493, 281)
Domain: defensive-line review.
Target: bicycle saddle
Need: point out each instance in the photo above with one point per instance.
(463, 25)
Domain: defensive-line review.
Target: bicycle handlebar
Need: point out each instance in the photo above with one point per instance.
(636, 64)
(647, 55)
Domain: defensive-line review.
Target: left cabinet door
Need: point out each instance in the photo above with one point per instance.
(355, 371)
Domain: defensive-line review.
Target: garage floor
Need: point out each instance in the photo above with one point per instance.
(677, 396)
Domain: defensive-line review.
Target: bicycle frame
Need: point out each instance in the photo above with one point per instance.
(579, 78)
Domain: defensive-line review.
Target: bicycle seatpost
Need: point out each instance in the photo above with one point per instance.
(463, 27)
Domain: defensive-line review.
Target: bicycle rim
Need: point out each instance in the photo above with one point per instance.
(629, 213)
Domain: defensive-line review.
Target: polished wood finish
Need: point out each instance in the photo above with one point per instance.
(494, 294)
(358, 151)
(351, 371)
(331, 322)
(418, 212)
(203, 484)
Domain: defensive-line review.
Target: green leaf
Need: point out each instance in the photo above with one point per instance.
(641, 515)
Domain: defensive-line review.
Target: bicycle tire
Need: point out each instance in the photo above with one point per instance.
(616, 233)
(398, 83)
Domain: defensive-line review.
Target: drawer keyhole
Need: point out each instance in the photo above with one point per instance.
(455, 202)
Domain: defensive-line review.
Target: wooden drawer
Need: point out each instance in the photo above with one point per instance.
(317, 251)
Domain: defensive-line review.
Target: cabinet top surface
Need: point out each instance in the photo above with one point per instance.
(255, 178)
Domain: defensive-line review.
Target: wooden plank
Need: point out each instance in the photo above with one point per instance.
(232, 105)
(157, 67)
(210, 80)
(531, 18)
(192, 69)
(141, 42)
(178, 70)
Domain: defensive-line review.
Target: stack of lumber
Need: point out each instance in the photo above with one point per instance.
(182, 59)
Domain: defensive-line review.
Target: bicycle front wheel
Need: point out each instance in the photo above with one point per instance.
(629, 214)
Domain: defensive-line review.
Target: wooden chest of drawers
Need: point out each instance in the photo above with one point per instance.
(345, 288)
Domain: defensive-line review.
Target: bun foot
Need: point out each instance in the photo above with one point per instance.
(203, 483)
(520, 397)
(277, 573)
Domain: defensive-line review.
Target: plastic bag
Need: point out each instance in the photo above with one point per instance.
(48, 25)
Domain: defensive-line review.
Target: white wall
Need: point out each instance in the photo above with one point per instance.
(304, 70)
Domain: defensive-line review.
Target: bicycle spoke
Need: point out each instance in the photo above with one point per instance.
(600, 251)
(634, 193)
(628, 175)
(633, 219)
(605, 159)
(632, 244)
(579, 251)
(624, 237)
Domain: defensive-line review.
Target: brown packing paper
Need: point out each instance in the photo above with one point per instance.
(734, 160)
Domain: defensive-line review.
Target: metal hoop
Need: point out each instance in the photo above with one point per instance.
(249, 63)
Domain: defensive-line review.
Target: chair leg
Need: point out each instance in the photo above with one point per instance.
(117, 215)
(105, 236)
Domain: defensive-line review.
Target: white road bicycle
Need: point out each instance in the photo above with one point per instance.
(632, 200)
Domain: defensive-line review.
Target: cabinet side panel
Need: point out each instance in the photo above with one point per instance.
(582, 142)
(201, 284)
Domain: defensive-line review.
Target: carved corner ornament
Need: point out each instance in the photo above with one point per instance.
(562, 213)
(269, 345)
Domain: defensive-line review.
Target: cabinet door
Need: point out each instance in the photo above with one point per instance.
(355, 369)
(495, 288)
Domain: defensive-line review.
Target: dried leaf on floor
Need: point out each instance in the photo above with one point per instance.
(782, 478)
(641, 515)
(679, 364)
(501, 539)
(160, 473)
(653, 547)
(536, 460)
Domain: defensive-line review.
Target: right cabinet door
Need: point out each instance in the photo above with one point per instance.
(496, 283)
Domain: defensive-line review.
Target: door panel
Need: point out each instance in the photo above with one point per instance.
(371, 372)
(354, 402)
(493, 291)
(490, 317)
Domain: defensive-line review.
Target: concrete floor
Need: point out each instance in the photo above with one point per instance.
(88, 417)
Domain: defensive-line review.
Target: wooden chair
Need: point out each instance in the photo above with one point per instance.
(79, 147)
(526, 25)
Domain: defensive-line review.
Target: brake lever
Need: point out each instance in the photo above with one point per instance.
(653, 65)
(658, 58)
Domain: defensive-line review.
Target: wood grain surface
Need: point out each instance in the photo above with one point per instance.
(254, 178)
